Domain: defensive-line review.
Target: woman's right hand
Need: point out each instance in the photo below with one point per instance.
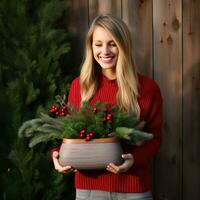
(58, 167)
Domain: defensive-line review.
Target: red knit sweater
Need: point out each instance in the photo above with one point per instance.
(136, 179)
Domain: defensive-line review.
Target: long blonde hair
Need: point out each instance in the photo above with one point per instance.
(126, 73)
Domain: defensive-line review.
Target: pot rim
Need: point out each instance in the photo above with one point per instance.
(82, 141)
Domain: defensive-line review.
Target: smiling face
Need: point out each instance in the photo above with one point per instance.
(104, 49)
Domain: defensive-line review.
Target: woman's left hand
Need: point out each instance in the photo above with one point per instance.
(124, 167)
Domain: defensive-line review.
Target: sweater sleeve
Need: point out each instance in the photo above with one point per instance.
(74, 97)
(53, 150)
(143, 153)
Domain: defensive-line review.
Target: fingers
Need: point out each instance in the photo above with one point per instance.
(113, 168)
(125, 166)
(55, 154)
(65, 169)
(58, 167)
(127, 156)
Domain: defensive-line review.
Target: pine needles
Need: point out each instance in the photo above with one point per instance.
(95, 121)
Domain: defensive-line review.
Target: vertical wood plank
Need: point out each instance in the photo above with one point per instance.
(77, 23)
(177, 174)
(167, 19)
(97, 7)
(191, 99)
(138, 16)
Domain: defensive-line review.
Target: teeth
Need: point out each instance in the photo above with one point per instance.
(106, 59)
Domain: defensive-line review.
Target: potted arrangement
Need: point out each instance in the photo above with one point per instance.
(91, 137)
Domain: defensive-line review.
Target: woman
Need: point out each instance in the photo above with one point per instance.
(109, 75)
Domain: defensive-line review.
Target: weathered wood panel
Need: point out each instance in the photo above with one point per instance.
(97, 7)
(166, 39)
(191, 99)
(138, 16)
(167, 19)
(77, 23)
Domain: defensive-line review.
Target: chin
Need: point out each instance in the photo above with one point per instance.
(103, 66)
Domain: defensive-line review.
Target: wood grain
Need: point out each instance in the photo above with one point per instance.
(166, 40)
(167, 22)
(97, 7)
(77, 23)
(191, 99)
(138, 16)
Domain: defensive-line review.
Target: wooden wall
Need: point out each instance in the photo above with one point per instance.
(166, 35)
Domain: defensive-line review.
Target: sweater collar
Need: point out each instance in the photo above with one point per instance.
(108, 81)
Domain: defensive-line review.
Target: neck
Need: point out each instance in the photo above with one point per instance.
(109, 73)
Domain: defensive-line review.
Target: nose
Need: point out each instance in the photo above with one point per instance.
(105, 49)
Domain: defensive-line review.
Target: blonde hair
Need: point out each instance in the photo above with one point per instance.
(126, 73)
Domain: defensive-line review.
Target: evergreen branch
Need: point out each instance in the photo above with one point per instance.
(132, 135)
(93, 120)
(43, 138)
(48, 127)
(57, 122)
(45, 130)
(140, 125)
(45, 124)
(30, 124)
(70, 133)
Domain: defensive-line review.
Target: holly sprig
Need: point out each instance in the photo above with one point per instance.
(89, 122)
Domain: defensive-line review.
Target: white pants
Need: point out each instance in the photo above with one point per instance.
(102, 195)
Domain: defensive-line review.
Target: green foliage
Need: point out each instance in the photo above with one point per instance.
(97, 119)
(41, 130)
(30, 177)
(34, 59)
(131, 134)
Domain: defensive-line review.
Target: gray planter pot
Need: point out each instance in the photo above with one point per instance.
(95, 154)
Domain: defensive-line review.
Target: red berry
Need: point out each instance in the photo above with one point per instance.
(61, 114)
(95, 109)
(109, 116)
(64, 108)
(82, 135)
(54, 108)
(87, 138)
(91, 135)
(83, 131)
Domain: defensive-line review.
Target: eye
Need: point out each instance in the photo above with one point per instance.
(113, 44)
(97, 45)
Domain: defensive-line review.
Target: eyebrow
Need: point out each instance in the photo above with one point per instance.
(101, 41)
